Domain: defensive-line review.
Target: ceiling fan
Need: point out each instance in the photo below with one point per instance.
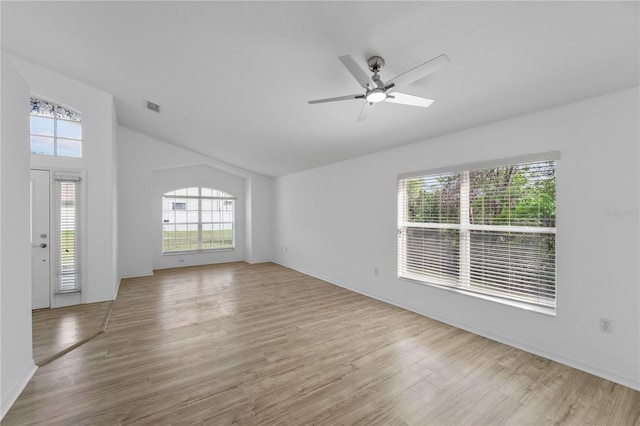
(378, 91)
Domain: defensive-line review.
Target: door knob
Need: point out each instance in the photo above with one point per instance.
(43, 245)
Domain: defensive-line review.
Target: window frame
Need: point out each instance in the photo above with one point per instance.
(67, 268)
(173, 198)
(461, 284)
(56, 110)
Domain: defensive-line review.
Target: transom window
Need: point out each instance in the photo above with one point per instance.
(55, 130)
(488, 232)
(197, 219)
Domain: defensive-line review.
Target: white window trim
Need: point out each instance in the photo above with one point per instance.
(78, 177)
(549, 155)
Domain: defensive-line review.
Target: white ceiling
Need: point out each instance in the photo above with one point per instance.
(233, 78)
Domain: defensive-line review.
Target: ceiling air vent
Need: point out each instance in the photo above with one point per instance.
(153, 107)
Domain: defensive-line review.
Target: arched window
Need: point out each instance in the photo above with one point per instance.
(55, 130)
(197, 219)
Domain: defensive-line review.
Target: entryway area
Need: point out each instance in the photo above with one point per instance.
(59, 321)
(57, 230)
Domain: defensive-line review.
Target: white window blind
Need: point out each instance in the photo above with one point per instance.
(197, 219)
(66, 233)
(488, 231)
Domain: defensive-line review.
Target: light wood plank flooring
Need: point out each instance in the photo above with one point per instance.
(55, 330)
(262, 344)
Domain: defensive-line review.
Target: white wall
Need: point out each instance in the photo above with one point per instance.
(197, 176)
(98, 152)
(141, 159)
(260, 219)
(114, 203)
(339, 223)
(16, 355)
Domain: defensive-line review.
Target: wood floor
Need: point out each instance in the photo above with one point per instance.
(262, 344)
(55, 330)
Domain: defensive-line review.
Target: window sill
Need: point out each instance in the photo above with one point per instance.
(180, 253)
(550, 311)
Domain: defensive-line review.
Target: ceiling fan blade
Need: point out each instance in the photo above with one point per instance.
(358, 73)
(404, 99)
(366, 109)
(339, 98)
(422, 70)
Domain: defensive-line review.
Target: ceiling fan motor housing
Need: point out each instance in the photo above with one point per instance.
(375, 63)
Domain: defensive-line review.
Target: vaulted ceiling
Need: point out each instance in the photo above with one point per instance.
(233, 78)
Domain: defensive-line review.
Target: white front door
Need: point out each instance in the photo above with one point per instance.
(40, 268)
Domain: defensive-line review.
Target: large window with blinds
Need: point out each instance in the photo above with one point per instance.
(197, 219)
(486, 231)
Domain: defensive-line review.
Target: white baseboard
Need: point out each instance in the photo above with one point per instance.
(17, 391)
(596, 371)
(256, 262)
(137, 275)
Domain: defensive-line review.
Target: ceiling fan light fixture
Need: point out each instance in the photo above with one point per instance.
(376, 95)
(377, 91)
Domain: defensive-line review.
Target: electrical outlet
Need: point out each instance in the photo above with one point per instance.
(606, 325)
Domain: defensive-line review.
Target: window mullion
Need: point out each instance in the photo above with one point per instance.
(55, 133)
(465, 238)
